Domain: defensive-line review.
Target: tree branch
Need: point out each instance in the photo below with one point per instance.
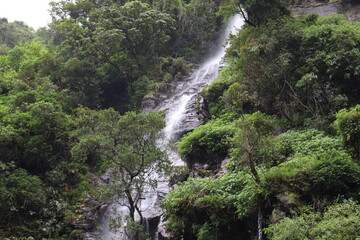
(244, 16)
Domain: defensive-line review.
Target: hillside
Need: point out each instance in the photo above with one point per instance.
(277, 156)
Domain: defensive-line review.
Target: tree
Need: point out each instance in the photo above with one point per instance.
(250, 139)
(30, 60)
(258, 12)
(83, 80)
(22, 196)
(251, 149)
(13, 33)
(133, 35)
(122, 42)
(34, 131)
(172, 7)
(330, 58)
(303, 70)
(126, 144)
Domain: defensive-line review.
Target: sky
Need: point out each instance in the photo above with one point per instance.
(33, 12)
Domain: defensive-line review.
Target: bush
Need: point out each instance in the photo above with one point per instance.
(22, 196)
(305, 142)
(254, 144)
(316, 167)
(348, 126)
(340, 221)
(213, 96)
(205, 207)
(208, 143)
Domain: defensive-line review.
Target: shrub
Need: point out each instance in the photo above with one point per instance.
(208, 143)
(213, 96)
(340, 221)
(317, 167)
(348, 126)
(205, 207)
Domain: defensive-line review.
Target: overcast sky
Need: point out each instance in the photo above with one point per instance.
(33, 12)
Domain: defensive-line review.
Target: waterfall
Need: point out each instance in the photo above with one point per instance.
(181, 116)
(180, 108)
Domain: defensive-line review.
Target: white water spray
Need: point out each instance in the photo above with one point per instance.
(177, 106)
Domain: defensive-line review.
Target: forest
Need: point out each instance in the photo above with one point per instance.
(284, 113)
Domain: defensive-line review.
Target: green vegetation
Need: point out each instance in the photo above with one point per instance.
(284, 111)
(302, 70)
(347, 124)
(340, 221)
(313, 170)
(127, 146)
(208, 143)
(64, 93)
(56, 87)
(210, 207)
(290, 94)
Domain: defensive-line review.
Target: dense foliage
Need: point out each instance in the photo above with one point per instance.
(284, 112)
(340, 221)
(312, 169)
(208, 143)
(290, 92)
(347, 124)
(56, 85)
(210, 208)
(302, 70)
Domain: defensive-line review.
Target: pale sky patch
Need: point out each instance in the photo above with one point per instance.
(33, 12)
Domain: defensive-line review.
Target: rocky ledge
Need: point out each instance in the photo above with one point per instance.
(350, 8)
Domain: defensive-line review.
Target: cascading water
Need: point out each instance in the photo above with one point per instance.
(180, 107)
(181, 116)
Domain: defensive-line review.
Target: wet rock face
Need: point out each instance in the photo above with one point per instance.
(150, 102)
(206, 170)
(352, 10)
(322, 8)
(196, 115)
(91, 211)
(306, 7)
(162, 233)
(196, 112)
(152, 226)
(89, 216)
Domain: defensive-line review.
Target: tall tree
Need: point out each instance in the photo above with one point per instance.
(127, 144)
(13, 33)
(250, 142)
(131, 37)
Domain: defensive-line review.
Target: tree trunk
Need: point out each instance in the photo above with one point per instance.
(260, 224)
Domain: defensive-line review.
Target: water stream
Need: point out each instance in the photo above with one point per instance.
(181, 115)
(180, 107)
